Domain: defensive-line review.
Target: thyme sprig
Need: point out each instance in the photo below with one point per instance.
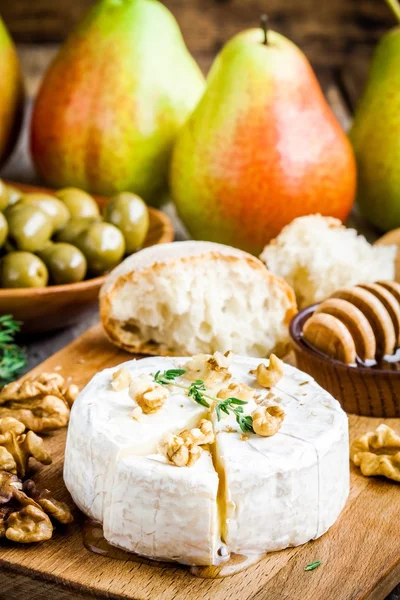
(197, 390)
(168, 377)
(235, 406)
(12, 356)
(313, 565)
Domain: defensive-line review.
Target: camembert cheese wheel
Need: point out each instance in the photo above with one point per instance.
(245, 494)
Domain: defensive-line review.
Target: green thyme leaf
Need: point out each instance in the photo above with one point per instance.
(199, 384)
(245, 423)
(237, 401)
(195, 391)
(169, 376)
(313, 565)
(12, 356)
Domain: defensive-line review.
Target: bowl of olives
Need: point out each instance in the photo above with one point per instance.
(56, 248)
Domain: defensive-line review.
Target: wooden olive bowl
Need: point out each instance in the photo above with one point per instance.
(56, 306)
(371, 392)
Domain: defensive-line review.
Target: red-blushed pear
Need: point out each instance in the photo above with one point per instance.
(261, 148)
(113, 100)
(11, 94)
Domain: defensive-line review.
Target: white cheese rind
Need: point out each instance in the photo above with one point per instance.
(165, 512)
(275, 492)
(102, 430)
(289, 488)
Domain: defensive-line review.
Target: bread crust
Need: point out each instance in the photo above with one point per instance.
(126, 272)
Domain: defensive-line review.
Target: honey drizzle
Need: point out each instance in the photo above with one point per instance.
(93, 540)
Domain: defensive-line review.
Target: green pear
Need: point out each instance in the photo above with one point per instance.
(375, 134)
(112, 102)
(261, 148)
(11, 94)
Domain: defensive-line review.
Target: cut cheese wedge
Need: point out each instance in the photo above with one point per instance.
(247, 495)
(102, 431)
(282, 490)
(165, 512)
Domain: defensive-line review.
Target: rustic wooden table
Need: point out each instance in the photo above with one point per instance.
(339, 89)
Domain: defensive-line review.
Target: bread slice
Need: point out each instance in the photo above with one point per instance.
(186, 298)
(318, 255)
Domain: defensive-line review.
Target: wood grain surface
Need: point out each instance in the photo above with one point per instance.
(326, 31)
(360, 554)
(339, 38)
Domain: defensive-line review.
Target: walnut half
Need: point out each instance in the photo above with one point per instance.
(29, 525)
(184, 449)
(18, 446)
(212, 369)
(236, 390)
(25, 511)
(120, 379)
(179, 452)
(267, 420)
(42, 403)
(56, 509)
(148, 394)
(269, 376)
(200, 435)
(378, 453)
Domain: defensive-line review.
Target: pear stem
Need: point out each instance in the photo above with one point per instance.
(264, 26)
(395, 8)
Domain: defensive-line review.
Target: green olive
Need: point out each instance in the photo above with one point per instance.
(22, 270)
(65, 262)
(29, 227)
(103, 245)
(79, 203)
(14, 194)
(9, 247)
(57, 211)
(73, 228)
(4, 195)
(3, 230)
(129, 213)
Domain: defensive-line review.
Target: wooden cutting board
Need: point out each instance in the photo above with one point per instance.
(360, 554)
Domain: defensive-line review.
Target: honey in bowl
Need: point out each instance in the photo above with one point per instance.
(365, 386)
(358, 326)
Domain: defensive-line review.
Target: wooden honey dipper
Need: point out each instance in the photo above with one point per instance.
(361, 322)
